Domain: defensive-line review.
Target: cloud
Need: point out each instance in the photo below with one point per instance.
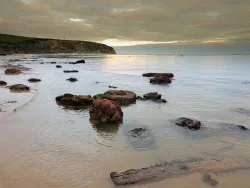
(129, 21)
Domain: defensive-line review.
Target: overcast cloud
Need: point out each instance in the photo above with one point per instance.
(188, 21)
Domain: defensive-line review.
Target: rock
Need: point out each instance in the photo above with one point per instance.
(41, 63)
(243, 111)
(177, 168)
(70, 71)
(209, 180)
(58, 66)
(11, 102)
(122, 97)
(78, 62)
(189, 123)
(12, 71)
(112, 87)
(53, 62)
(74, 100)
(152, 96)
(105, 111)
(169, 75)
(19, 88)
(242, 127)
(3, 83)
(141, 138)
(72, 79)
(3, 54)
(34, 80)
(160, 80)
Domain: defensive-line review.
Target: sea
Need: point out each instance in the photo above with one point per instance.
(46, 145)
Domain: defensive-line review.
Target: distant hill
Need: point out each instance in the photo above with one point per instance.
(11, 44)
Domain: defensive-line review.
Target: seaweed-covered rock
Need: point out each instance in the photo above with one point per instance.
(152, 96)
(169, 75)
(34, 80)
(189, 123)
(70, 71)
(72, 79)
(12, 71)
(122, 97)
(160, 80)
(3, 83)
(19, 88)
(58, 66)
(105, 110)
(74, 100)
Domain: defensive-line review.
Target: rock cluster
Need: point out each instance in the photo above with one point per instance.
(160, 78)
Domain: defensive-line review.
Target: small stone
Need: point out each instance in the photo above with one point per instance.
(34, 80)
(72, 79)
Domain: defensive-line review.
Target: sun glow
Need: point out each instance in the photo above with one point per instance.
(117, 42)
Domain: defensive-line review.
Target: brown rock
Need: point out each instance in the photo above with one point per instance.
(160, 80)
(105, 110)
(12, 71)
(3, 83)
(122, 97)
(74, 100)
(19, 88)
(189, 123)
(169, 75)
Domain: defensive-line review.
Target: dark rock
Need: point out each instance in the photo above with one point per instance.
(74, 100)
(41, 63)
(160, 80)
(53, 62)
(12, 71)
(19, 88)
(3, 83)
(169, 75)
(242, 111)
(78, 62)
(189, 123)
(11, 102)
(58, 66)
(3, 54)
(152, 96)
(105, 111)
(112, 87)
(34, 80)
(246, 82)
(122, 97)
(70, 71)
(209, 180)
(242, 127)
(72, 79)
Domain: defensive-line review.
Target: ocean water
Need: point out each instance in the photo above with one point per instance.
(45, 145)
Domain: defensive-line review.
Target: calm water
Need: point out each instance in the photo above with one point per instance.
(44, 145)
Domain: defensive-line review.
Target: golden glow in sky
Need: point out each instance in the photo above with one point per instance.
(117, 42)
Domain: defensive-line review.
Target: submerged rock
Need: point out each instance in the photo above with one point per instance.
(19, 88)
(209, 180)
(34, 80)
(70, 71)
(78, 62)
(53, 62)
(160, 80)
(105, 111)
(13, 71)
(74, 100)
(232, 126)
(178, 168)
(122, 97)
(72, 79)
(242, 111)
(189, 123)
(169, 75)
(3, 83)
(58, 66)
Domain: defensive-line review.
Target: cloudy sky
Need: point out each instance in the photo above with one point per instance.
(129, 22)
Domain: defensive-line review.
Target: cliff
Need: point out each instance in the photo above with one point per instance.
(10, 44)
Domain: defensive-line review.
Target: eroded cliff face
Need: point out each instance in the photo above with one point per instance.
(48, 46)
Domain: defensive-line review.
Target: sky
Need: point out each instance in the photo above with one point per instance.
(127, 22)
